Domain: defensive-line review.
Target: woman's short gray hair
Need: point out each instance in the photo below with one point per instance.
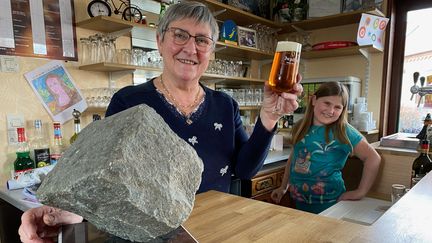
(188, 9)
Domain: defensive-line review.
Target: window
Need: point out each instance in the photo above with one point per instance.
(417, 65)
(398, 76)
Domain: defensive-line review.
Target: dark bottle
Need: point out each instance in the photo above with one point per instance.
(423, 133)
(77, 125)
(422, 164)
(96, 117)
(23, 161)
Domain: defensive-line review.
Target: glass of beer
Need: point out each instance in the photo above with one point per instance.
(284, 70)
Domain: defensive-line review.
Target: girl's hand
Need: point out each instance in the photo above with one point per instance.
(277, 194)
(351, 196)
(275, 105)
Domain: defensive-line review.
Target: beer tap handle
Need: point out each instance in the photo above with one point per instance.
(422, 81)
(414, 88)
(419, 101)
(416, 76)
(421, 91)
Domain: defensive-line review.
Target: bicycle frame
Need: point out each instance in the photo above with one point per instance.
(117, 10)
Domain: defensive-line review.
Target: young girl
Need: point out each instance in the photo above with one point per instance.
(322, 140)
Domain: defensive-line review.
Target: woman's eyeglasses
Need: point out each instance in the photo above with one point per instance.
(181, 37)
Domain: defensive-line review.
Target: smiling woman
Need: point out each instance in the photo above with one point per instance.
(206, 119)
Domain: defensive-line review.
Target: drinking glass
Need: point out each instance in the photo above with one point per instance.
(284, 70)
(85, 51)
(398, 190)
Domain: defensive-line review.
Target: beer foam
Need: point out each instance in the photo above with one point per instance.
(288, 46)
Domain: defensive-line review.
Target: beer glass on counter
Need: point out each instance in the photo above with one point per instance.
(284, 70)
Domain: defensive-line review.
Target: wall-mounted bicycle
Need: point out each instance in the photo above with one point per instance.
(104, 7)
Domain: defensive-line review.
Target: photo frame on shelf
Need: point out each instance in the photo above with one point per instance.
(247, 37)
(351, 5)
(321, 8)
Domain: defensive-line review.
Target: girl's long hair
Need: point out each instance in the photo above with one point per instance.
(338, 127)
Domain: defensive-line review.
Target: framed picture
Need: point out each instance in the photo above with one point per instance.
(247, 37)
(320, 8)
(351, 5)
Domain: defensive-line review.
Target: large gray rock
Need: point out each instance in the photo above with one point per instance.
(129, 175)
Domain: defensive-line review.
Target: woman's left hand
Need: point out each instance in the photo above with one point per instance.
(276, 105)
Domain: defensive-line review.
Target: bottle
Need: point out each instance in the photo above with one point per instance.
(77, 125)
(422, 164)
(40, 146)
(23, 162)
(57, 147)
(96, 117)
(163, 8)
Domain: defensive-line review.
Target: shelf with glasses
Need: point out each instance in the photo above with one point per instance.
(338, 52)
(106, 24)
(116, 67)
(109, 24)
(329, 21)
(242, 52)
(223, 11)
(221, 79)
(108, 67)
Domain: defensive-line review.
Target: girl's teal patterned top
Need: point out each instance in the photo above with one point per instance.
(316, 176)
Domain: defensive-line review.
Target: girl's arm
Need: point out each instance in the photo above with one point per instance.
(371, 162)
(278, 193)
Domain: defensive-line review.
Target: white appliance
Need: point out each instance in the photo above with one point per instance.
(352, 83)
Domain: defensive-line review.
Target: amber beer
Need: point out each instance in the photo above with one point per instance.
(283, 74)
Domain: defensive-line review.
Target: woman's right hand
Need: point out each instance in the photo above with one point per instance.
(277, 194)
(42, 224)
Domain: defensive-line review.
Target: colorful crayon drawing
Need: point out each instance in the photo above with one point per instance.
(56, 90)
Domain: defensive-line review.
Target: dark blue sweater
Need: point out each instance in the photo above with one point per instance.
(216, 133)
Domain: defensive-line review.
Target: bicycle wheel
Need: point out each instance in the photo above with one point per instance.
(97, 8)
(132, 14)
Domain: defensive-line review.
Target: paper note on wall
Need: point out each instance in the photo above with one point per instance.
(371, 30)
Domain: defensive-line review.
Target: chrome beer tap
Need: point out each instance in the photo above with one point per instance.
(422, 90)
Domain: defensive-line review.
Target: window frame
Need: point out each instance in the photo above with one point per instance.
(393, 62)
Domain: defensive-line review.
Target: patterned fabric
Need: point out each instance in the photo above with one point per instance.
(216, 133)
(316, 176)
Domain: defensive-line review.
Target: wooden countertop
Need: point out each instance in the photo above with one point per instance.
(221, 217)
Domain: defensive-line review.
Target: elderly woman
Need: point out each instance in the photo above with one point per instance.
(208, 120)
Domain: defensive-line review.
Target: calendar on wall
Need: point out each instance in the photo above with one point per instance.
(38, 28)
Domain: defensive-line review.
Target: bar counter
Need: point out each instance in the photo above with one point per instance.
(220, 217)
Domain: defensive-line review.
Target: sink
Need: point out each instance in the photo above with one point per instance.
(365, 211)
(400, 140)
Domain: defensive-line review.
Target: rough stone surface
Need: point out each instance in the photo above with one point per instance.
(129, 175)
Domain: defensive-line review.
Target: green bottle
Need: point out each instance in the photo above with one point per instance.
(23, 162)
(162, 10)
